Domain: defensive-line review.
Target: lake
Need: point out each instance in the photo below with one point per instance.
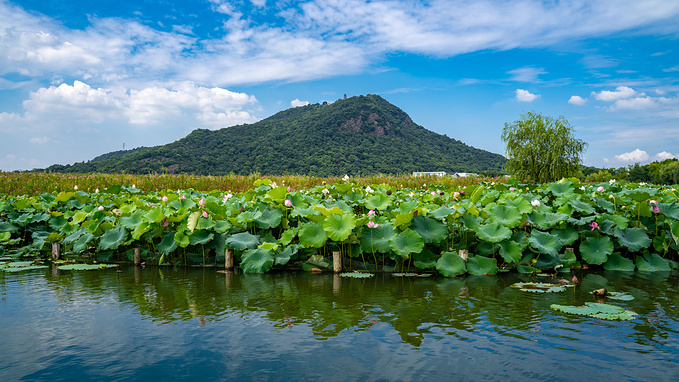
(169, 324)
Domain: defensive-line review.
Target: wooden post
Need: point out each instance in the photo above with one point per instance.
(56, 251)
(337, 262)
(336, 284)
(55, 270)
(464, 254)
(137, 256)
(228, 259)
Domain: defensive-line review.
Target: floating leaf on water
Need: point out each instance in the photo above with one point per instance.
(357, 275)
(19, 266)
(85, 267)
(540, 287)
(622, 296)
(411, 275)
(597, 310)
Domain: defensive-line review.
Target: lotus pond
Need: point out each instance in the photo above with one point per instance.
(158, 323)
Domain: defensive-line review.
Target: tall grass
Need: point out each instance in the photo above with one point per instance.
(36, 183)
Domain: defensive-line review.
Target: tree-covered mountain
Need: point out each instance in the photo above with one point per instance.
(357, 136)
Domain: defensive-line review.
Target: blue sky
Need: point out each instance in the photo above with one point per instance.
(82, 78)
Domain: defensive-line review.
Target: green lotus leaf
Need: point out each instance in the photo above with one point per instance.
(431, 230)
(581, 206)
(81, 243)
(154, 215)
(479, 265)
(23, 268)
(596, 250)
(526, 269)
(242, 241)
(442, 212)
(140, 229)
(619, 221)
(674, 230)
(621, 296)
(167, 245)
(560, 189)
(186, 204)
(538, 219)
(257, 260)
(521, 204)
(357, 275)
(181, 239)
(411, 275)
(510, 251)
(597, 310)
(450, 264)
(192, 221)
(425, 259)
(377, 239)
(248, 217)
(403, 219)
(605, 204)
(508, 216)
(320, 261)
(74, 236)
(618, 263)
(520, 237)
(493, 232)
(377, 202)
(201, 237)
(304, 212)
(540, 287)
(205, 223)
(222, 226)
(132, 221)
(284, 256)
(633, 238)
(287, 236)
(544, 242)
(277, 193)
(652, 262)
(406, 242)
(567, 236)
(8, 227)
(338, 227)
(112, 238)
(270, 218)
(85, 267)
(640, 195)
(470, 222)
(312, 235)
(5, 236)
(78, 217)
(568, 259)
(671, 210)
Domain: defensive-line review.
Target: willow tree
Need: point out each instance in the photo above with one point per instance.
(542, 149)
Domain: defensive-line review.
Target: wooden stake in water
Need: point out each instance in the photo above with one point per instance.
(56, 251)
(137, 256)
(337, 262)
(228, 259)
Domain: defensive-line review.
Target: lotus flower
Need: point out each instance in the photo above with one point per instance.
(600, 189)
(372, 224)
(656, 209)
(75, 187)
(201, 202)
(288, 203)
(345, 178)
(289, 188)
(183, 197)
(96, 191)
(575, 280)
(611, 181)
(511, 189)
(165, 223)
(204, 214)
(594, 225)
(368, 189)
(654, 202)
(165, 198)
(101, 208)
(535, 203)
(371, 212)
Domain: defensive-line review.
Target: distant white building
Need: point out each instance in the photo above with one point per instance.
(443, 173)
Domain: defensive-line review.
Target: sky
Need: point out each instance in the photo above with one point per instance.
(82, 78)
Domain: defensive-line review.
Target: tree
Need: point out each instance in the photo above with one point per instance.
(542, 149)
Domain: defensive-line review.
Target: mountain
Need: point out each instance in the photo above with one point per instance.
(358, 135)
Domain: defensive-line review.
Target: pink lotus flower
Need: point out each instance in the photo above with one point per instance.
(101, 208)
(371, 212)
(600, 189)
(594, 225)
(535, 203)
(575, 280)
(288, 203)
(372, 224)
(183, 197)
(511, 189)
(289, 188)
(165, 198)
(463, 192)
(165, 223)
(653, 202)
(656, 209)
(201, 202)
(205, 214)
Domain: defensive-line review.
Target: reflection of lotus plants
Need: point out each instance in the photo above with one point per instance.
(497, 226)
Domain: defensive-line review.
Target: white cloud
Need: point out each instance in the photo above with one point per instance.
(577, 100)
(621, 92)
(296, 102)
(664, 155)
(40, 140)
(639, 103)
(525, 96)
(634, 156)
(526, 74)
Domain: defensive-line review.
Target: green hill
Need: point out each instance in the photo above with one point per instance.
(359, 135)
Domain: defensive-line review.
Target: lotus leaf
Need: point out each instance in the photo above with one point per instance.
(567, 259)
(319, 261)
(304, 212)
(338, 227)
(622, 296)
(357, 275)
(257, 260)
(526, 269)
(597, 310)
(8, 227)
(618, 263)
(652, 262)
(605, 204)
(493, 232)
(85, 267)
(25, 268)
(154, 215)
(205, 223)
(581, 206)
(540, 287)
(312, 235)
(450, 264)
(112, 238)
(521, 204)
(181, 239)
(167, 245)
(567, 236)
(425, 259)
(403, 219)
(560, 189)
(406, 242)
(285, 255)
(140, 230)
(201, 237)
(596, 250)
(544, 242)
(508, 216)
(510, 251)
(81, 244)
(442, 212)
(5, 236)
(479, 265)
(431, 230)
(470, 222)
(269, 218)
(242, 241)
(671, 210)
(377, 239)
(222, 226)
(633, 238)
(378, 202)
(277, 193)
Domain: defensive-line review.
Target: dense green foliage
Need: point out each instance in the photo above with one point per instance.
(659, 172)
(542, 149)
(357, 136)
(499, 226)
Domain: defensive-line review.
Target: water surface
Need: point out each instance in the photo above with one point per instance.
(197, 324)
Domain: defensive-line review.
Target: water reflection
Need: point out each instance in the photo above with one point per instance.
(478, 325)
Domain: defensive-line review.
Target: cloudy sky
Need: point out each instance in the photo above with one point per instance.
(82, 78)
